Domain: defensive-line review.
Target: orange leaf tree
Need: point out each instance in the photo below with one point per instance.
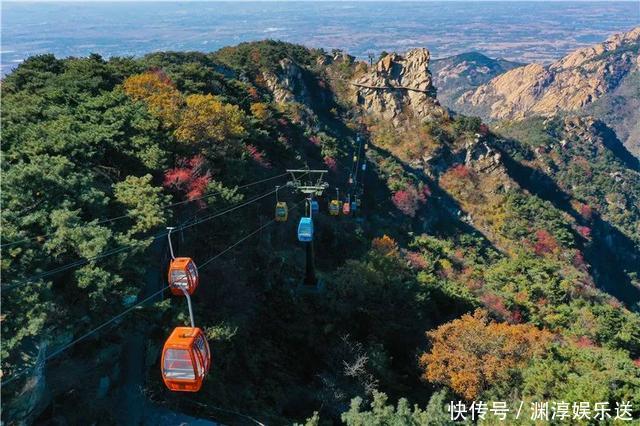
(385, 245)
(471, 353)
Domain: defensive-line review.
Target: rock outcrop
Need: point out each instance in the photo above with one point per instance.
(399, 85)
(287, 84)
(569, 84)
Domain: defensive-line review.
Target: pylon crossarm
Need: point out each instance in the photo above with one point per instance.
(309, 185)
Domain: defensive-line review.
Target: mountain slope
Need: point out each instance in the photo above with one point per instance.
(521, 238)
(568, 85)
(457, 74)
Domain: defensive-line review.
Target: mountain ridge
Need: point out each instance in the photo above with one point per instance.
(569, 85)
(454, 75)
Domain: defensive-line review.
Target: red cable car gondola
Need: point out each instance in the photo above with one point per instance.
(186, 359)
(183, 274)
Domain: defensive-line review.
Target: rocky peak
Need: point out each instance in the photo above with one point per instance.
(399, 84)
(336, 56)
(582, 56)
(568, 84)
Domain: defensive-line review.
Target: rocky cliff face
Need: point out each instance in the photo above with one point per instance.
(567, 85)
(291, 83)
(287, 84)
(458, 74)
(399, 85)
(573, 83)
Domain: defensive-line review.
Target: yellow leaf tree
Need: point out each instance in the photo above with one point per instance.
(471, 353)
(158, 92)
(210, 122)
(260, 110)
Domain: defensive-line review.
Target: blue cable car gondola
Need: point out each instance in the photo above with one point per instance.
(315, 207)
(305, 230)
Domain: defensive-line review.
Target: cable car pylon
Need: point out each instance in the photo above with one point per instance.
(312, 185)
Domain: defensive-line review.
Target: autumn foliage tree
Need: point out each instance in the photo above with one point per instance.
(258, 156)
(462, 181)
(331, 163)
(260, 110)
(156, 90)
(471, 353)
(210, 122)
(190, 177)
(385, 246)
(409, 200)
(545, 243)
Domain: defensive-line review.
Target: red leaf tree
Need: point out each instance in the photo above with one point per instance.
(258, 156)
(331, 163)
(190, 177)
(408, 200)
(545, 243)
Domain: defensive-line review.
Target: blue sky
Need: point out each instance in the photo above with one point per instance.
(345, 1)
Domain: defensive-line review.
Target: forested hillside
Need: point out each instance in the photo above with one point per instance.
(486, 263)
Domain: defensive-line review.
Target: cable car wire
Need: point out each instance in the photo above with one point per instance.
(113, 219)
(131, 308)
(81, 262)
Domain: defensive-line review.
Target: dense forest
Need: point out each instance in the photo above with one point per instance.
(504, 267)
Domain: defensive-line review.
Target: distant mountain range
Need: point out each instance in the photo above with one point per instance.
(602, 80)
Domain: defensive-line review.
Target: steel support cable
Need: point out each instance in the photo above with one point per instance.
(133, 307)
(168, 206)
(81, 262)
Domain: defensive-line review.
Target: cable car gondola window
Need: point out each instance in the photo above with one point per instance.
(177, 365)
(179, 279)
(193, 270)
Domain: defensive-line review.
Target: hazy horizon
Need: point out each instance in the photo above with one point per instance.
(446, 27)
